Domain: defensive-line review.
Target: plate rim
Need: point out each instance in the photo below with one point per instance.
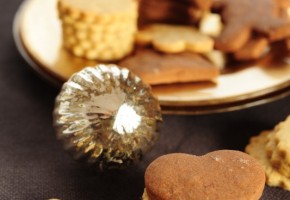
(218, 105)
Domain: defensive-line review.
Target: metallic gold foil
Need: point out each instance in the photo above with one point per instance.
(106, 116)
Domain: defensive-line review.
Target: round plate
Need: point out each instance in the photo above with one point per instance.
(37, 33)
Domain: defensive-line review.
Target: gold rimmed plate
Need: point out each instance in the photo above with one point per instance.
(37, 33)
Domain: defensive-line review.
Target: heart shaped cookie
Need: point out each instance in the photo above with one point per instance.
(219, 175)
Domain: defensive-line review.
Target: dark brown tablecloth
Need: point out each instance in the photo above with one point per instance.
(34, 166)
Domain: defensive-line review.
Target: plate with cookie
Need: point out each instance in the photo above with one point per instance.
(198, 56)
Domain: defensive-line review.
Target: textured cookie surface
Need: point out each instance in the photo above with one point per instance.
(219, 175)
(257, 149)
(99, 6)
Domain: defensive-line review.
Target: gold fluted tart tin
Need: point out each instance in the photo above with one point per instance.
(37, 32)
(107, 117)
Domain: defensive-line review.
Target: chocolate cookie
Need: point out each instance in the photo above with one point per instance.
(219, 175)
(172, 11)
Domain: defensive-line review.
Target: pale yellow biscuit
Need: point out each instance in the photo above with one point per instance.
(282, 136)
(175, 39)
(270, 145)
(256, 148)
(98, 30)
(98, 10)
(279, 159)
(145, 195)
(211, 24)
(218, 58)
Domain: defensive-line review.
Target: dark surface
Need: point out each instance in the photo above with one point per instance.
(34, 166)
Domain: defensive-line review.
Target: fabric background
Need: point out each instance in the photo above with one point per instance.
(34, 166)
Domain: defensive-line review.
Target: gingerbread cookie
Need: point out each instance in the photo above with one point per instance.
(157, 68)
(241, 20)
(174, 39)
(257, 149)
(219, 175)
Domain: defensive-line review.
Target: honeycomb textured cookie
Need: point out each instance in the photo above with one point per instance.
(102, 30)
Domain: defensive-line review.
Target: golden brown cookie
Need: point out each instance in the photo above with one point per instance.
(174, 39)
(255, 48)
(101, 30)
(240, 25)
(280, 157)
(219, 175)
(158, 68)
(257, 149)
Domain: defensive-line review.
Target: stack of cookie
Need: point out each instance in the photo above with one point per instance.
(172, 11)
(97, 29)
(272, 149)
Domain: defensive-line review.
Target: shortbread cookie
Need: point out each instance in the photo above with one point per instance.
(239, 25)
(255, 48)
(174, 39)
(101, 30)
(256, 148)
(158, 68)
(280, 158)
(219, 175)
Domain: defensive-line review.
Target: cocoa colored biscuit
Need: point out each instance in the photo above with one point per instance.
(257, 149)
(287, 43)
(219, 175)
(158, 68)
(173, 12)
(255, 48)
(239, 25)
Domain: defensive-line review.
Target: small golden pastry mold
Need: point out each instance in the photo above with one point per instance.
(107, 117)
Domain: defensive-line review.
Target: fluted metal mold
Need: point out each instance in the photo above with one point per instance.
(106, 116)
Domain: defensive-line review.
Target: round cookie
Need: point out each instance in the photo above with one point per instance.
(219, 175)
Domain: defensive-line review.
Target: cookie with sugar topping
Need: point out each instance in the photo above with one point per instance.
(219, 175)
